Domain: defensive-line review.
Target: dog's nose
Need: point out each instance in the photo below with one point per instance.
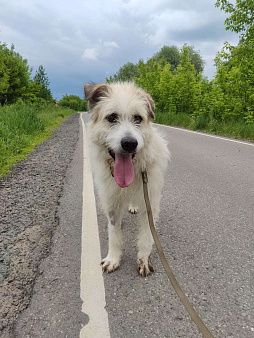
(129, 144)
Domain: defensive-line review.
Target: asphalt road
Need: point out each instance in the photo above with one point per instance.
(206, 228)
(55, 307)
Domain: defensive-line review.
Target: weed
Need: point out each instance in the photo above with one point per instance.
(235, 129)
(22, 127)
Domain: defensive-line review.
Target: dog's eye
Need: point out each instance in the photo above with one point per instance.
(112, 118)
(137, 119)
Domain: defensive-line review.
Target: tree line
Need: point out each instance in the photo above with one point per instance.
(18, 85)
(16, 81)
(174, 77)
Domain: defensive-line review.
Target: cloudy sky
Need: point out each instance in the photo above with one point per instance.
(79, 41)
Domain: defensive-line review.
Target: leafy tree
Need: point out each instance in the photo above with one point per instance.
(149, 78)
(187, 84)
(126, 73)
(195, 58)
(4, 72)
(40, 91)
(15, 79)
(40, 85)
(232, 94)
(177, 85)
(41, 77)
(15, 74)
(167, 90)
(241, 19)
(170, 54)
(178, 91)
(74, 102)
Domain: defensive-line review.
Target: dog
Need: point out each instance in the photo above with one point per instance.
(124, 142)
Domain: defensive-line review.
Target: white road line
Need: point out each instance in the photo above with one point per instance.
(207, 135)
(92, 289)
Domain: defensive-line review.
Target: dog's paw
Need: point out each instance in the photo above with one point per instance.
(109, 265)
(133, 210)
(145, 267)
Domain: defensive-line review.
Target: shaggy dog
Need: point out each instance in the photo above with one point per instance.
(124, 142)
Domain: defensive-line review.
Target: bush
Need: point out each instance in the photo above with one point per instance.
(74, 102)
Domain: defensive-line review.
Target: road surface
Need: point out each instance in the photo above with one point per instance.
(206, 227)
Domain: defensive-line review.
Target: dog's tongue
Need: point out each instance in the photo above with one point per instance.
(124, 169)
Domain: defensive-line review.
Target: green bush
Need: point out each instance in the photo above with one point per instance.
(74, 102)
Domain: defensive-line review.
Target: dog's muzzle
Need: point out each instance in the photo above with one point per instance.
(128, 144)
(124, 173)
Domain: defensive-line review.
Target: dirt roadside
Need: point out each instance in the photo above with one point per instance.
(29, 198)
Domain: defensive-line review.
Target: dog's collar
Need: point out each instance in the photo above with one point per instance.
(111, 163)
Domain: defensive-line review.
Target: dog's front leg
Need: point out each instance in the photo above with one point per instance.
(112, 261)
(145, 244)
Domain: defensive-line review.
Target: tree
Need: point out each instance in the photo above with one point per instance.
(15, 79)
(41, 77)
(149, 78)
(195, 58)
(4, 71)
(126, 73)
(41, 84)
(74, 102)
(172, 55)
(187, 84)
(15, 75)
(234, 79)
(166, 89)
(241, 19)
(176, 92)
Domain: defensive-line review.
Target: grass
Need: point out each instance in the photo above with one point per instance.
(234, 129)
(23, 126)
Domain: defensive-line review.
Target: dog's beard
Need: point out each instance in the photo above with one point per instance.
(124, 168)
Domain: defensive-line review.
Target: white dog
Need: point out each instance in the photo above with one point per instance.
(123, 143)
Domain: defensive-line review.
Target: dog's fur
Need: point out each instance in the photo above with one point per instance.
(133, 109)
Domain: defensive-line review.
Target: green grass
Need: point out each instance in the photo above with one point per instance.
(234, 129)
(22, 127)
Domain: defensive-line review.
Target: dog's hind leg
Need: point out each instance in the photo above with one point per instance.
(112, 261)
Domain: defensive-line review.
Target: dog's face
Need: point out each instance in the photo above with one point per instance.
(121, 115)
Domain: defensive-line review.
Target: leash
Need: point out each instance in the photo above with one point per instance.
(195, 317)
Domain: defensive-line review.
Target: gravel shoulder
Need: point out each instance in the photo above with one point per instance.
(29, 200)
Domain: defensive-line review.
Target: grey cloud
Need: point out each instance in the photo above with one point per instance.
(82, 41)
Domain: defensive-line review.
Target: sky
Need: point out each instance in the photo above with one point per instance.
(82, 41)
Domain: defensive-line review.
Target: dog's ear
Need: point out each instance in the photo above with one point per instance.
(95, 92)
(150, 105)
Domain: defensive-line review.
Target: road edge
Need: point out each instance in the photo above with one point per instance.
(92, 290)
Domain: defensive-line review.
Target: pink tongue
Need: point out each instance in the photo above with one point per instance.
(124, 170)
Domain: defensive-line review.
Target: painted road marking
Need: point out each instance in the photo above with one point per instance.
(207, 135)
(92, 291)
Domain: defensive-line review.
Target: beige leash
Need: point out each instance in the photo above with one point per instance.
(195, 317)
